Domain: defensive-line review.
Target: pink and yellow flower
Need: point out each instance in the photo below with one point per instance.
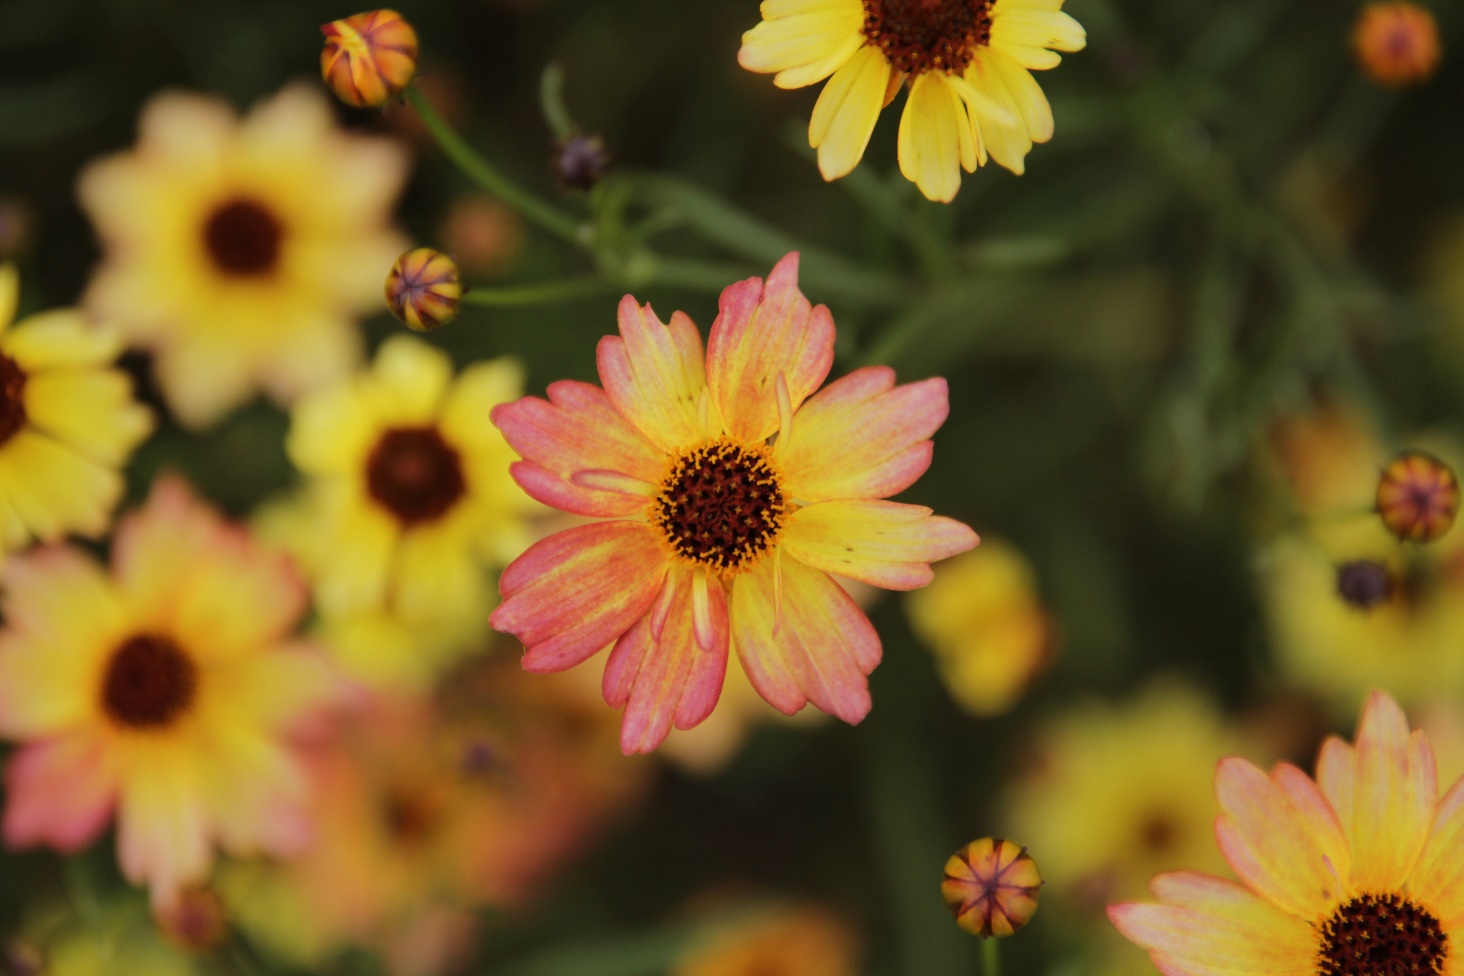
(1358, 873)
(716, 533)
(162, 693)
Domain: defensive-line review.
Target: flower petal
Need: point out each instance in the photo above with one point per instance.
(1438, 878)
(819, 649)
(410, 378)
(577, 429)
(1035, 110)
(89, 410)
(59, 792)
(804, 44)
(844, 116)
(655, 374)
(929, 140)
(1267, 843)
(863, 437)
(659, 670)
(1395, 796)
(761, 331)
(882, 543)
(573, 593)
(162, 832)
(54, 490)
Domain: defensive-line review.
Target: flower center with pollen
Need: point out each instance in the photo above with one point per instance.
(721, 505)
(243, 238)
(415, 474)
(12, 398)
(928, 35)
(150, 682)
(1381, 935)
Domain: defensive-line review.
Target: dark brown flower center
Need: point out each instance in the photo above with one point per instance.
(415, 474)
(12, 398)
(243, 238)
(721, 505)
(928, 35)
(412, 816)
(150, 682)
(1381, 935)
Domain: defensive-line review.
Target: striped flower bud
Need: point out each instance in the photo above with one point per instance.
(424, 289)
(1418, 497)
(991, 885)
(369, 57)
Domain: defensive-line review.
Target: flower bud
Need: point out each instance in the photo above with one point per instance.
(579, 161)
(1364, 583)
(368, 58)
(195, 922)
(991, 885)
(424, 289)
(1396, 43)
(1418, 497)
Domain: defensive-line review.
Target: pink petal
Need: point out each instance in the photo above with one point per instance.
(655, 374)
(1395, 795)
(573, 593)
(819, 650)
(1336, 775)
(877, 542)
(577, 429)
(1438, 879)
(1267, 843)
(61, 792)
(667, 678)
(864, 437)
(761, 332)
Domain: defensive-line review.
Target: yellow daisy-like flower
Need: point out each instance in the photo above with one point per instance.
(414, 498)
(969, 64)
(67, 424)
(792, 940)
(241, 251)
(1360, 873)
(163, 691)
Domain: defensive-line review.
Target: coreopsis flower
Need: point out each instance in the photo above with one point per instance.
(1396, 43)
(162, 692)
(992, 886)
(241, 251)
(969, 66)
(714, 534)
(368, 58)
(984, 619)
(413, 499)
(1353, 874)
(424, 289)
(68, 424)
(1418, 497)
(796, 940)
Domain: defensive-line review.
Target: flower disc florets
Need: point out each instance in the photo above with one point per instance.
(150, 682)
(1381, 935)
(12, 398)
(928, 35)
(243, 238)
(415, 474)
(721, 505)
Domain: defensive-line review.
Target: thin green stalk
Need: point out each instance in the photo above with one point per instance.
(544, 294)
(991, 956)
(546, 215)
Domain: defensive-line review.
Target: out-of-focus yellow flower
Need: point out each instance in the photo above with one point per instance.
(984, 620)
(424, 289)
(240, 252)
(992, 886)
(1396, 43)
(68, 423)
(793, 941)
(414, 499)
(368, 58)
(1116, 793)
(1418, 497)
(1327, 458)
(117, 947)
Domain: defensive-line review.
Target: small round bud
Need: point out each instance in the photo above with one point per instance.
(1364, 583)
(424, 289)
(369, 58)
(1418, 497)
(579, 161)
(195, 922)
(1396, 43)
(991, 885)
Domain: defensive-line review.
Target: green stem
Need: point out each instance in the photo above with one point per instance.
(477, 168)
(545, 294)
(551, 100)
(991, 956)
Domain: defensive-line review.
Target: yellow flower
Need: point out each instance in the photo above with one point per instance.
(1354, 874)
(164, 692)
(789, 941)
(969, 64)
(983, 619)
(368, 58)
(67, 424)
(414, 499)
(1396, 43)
(240, 251)
(1117, 793)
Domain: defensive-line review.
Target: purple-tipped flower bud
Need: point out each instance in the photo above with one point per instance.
(1418, 497)
(424, 289)
(369, 58)
(579, 161)
(1364, 583)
